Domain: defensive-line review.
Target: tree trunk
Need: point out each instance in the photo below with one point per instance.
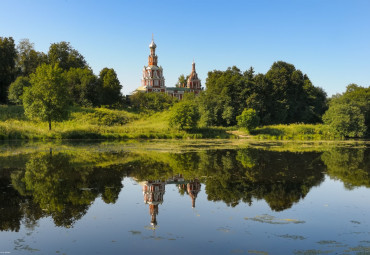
(49, 125)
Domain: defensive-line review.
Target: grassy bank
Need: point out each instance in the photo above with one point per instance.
(101, 123)
(98, 123)
(295, 132)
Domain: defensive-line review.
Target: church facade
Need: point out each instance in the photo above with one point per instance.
(153, 79)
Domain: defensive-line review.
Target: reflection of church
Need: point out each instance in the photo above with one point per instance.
(153, 79)
(153, 192)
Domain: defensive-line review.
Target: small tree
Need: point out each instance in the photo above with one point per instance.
(16, 89)
(185, 115)
(110, 87)
(248, 119)
(346, 120)
(47, 99)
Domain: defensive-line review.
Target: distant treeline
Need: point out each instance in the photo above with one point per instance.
(18, 62)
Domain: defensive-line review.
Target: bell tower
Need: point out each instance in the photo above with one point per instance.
(153, 80)
(153, 59)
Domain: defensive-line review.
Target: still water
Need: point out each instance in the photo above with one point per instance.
(169, 199)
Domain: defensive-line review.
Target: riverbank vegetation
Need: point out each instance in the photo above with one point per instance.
(38, 89)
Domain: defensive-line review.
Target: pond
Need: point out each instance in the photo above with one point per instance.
(185, 198)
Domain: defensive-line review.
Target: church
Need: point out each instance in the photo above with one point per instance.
(153, 79)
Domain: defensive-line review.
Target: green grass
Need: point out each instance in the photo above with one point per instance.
(295, 132)
(108, 124)
(98, 123)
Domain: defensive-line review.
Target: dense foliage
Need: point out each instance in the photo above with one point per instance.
(8, 55)
(248, 119)
(16, 89)
(282, 95)
(47, 99)
(151, 101)
(185, 115)
(109, 87)
(349, 113)
(84, 87)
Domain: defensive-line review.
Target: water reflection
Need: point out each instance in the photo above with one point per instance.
(63, 185)
(154, 190)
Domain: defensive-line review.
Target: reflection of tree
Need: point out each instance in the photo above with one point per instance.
(352, 166)
(63, 191)
(281, 178)
(10, 214)
(234, 176)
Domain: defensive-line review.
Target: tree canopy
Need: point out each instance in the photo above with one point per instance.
(82, 86)
(349, 113)
(184, 115)
(8, 55)
(109, 87)
(151, 101)
(282, 95)
(28, 58)
(67, 57)
(17, 88)
(47, 99)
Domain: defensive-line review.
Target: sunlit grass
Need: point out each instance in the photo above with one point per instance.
(98, 123)
(295, 132)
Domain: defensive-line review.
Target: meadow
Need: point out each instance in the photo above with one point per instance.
(99, 123)
(109, 124)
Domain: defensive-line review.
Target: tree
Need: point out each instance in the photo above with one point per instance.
(47, 99)
(110, 87)
(346, 120)
(349, 113)
(294, 98)
(184, 115)
(28, 59)
(66, 56)
(8, 55)
(16, 89)
(82, 85)
(248, 119)
(182, 81)
(151, 101)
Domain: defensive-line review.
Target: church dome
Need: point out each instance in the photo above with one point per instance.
(152, 45)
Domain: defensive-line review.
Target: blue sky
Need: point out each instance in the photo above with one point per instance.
(329, 40)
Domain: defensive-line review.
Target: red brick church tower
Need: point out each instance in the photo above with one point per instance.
(153, 80)
(193, 82)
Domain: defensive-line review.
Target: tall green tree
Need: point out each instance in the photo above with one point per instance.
(82, 85)
(295, 99)
(66, 56)
(47, 99)
(8, 55)
(28, 58)
(110, 87)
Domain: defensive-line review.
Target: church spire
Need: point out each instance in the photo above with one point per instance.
(152, 57)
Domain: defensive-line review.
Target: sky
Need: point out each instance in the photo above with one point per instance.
(329, 40)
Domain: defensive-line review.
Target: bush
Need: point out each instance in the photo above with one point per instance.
(346, 120)
(248, 119)
(16, 89)
(184, 115)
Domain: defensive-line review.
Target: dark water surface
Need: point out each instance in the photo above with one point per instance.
(168, 199)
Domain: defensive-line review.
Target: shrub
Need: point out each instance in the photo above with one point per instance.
(248, 119)
(184, 115)
(346, 120)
